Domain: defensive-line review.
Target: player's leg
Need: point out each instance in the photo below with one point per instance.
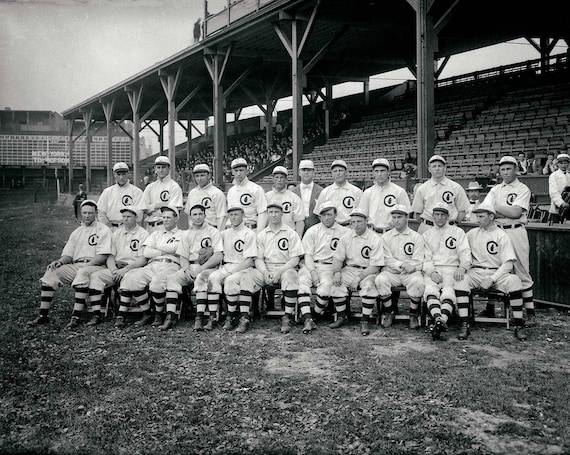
(174, 282)
(98, 282)
(384, 283)
(414, 284)
(462, 289)
(290, 288)
(512, 285)
(368, 296)
(339, 295)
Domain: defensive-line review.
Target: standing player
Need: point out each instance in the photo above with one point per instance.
(447, 258)
(163, 191)
(492, 259)
(356, 262)
(207, 195)
(511, 201)
(87, 246)
(291, 203)
(308, 191)
(439, 189)
(248, 195)
(201, 235)
(404, 253)
(118, 196)
(345, 195)
(557, 182)
(279, 250)
(382, 196)
(320, 242)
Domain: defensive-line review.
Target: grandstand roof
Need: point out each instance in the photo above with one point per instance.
(367, 37)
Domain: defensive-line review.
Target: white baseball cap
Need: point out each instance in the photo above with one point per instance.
(162, 160)
(359, 212)
(167, 206)
(239, 162)
(201, 168)
(276, 205)
(89, 202)
(327, 205)
(381, 162)
(120, 166)
(340, 163)
(280, 170)
(563, 157)
(232, 208)
(437, 158)
(441, 207)
(399, 208)
(306, 164)
(485, 207)
(130, 208)
(507, 160)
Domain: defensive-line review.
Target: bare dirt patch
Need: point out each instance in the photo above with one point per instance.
(316, 363)
(401, 347)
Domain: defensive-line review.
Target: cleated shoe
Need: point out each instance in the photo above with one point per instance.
(120, 322)
(157, 320)
(309, 326)
(198, 326)
(243, 325)
(168, 322)
(530, 320)
(40, 320)
(464, 332)
(520, 334)
(145, 320)
(74, 323)
(387, 320)
(340, 321)
(95, 320)
(414, 322)
(229, 324)
(364, 330)
(436, 329)
(285, 324)
(209, 325)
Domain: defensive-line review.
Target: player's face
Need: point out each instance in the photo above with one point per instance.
(328, 218)
(274, 215)
(508, 172)
(437, 169)
(484, 219)
(338, 175)
(129, 220)
(279, 181)
(121, 177)
(381, 175)
(202, 178)
(440, 218)
(473, 195)
(239, 173)
(399, 221)
(197, 216)
(306, 175)
(169, 219)
(563, 165)
(88, 214)
(358, 223)
(236, 217)
(161, 170)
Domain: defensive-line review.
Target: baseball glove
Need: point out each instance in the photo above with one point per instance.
(204, 254)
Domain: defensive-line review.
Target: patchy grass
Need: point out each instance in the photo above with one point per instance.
(143, 391)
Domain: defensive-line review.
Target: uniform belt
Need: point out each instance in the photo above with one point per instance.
(510, 226)
(323, 262)
(380, 230)
(356, 266)
(483, 267)
(344, 223)
(250, 224)
(81, 260)
(116, 224)
(154, 223)
(165, 260)
(430, 223)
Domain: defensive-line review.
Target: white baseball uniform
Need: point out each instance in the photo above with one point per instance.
(116, 197)
(377, 201)
(346, 197)
(213, 200)
(291, 203)
(557, 181)
(158, 193)
(251, 197)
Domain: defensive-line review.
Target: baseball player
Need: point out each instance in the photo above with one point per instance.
(345, 195)
(125, 255)
(474, 194)
(492, 260)
(404, 253)
(279, 250)
(447, 258)
(160, 250)
(291, 203)
(356, 262)
(87, 247)
(511, 201)
(240, 250)
(202, 235)
(117, 196)
(207, 195)
(320, 242)
(439, 189)
(557, 182)
(248, 195)
(382, 196)
(163, 191)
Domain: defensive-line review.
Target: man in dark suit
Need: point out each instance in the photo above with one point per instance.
(308, 191)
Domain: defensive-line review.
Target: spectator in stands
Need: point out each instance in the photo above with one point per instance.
(474, 194)
(308, 191)
(532, 164)
(79, 198)
(550, 165)
(522, 164)
(557, 182)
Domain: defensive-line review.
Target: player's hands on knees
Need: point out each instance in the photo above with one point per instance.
(315, 277)
(408, 268)
(436, 277)
(337, 279)
(118, 274)
(459, 274)
(486, 283)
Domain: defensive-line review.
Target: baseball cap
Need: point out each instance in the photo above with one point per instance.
(88, 202)
(399, 208)
(327, 205)
(381, 162)
(234, 207)
(120, 166)
(359, 212)
(437, 158)
(197, 206)
(201, 168)
(507, 160)
(563, 157)
(441, 207)
(238, 162)
(340, 163)
(277, 205)
(162, 160)
(167, 206)
(280, 170)
(474, 186)
(306, 164)
(130, 208)
(485, 207)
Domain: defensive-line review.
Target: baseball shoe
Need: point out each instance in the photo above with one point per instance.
(309, 326)
(198, 326)
(464, 332)
(145, 320)
(520, 334)
(364, 329)
(168, 322)
(387, 320)
(40, 320)
(74, 323)
(229, 324)
(157, 320)
(414, 322)
(95, 320)
(243, 325)
(437, 328)
(530, 320)
(120, 322)
(209, 325)
(340, 321)
(285, 324)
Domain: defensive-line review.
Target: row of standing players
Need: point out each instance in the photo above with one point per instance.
(437, 263)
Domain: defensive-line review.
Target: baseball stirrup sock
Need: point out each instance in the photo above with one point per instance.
(386, 302)
(516, 303)
(528, 300)
(46, 298)
(290, 301)
(321, 304)
(462, 305)
(446, 310)
(95, 298)
(367, 307)
(201, 301)
(143, 300)
(415, 305)
(232, 301)
(171, 301)
(305, 303)
(213, 303)
(80, 299)
(245, 298)
(158, 298)
(433, 306)
(339, 304)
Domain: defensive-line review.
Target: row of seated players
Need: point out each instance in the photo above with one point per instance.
(442, 265)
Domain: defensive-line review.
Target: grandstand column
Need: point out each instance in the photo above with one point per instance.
(328, 98)
(135, 98)
(87, 117)
(108, 107)
(269, 109)
(366, 89)
(170, 81)
(70, 144)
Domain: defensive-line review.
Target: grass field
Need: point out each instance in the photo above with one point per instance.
(142, 391)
